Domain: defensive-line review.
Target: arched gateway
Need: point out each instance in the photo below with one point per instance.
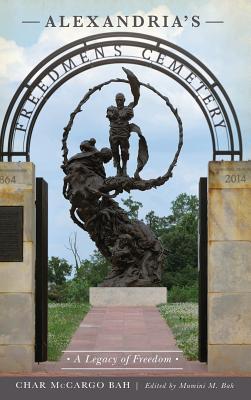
(126, 48)
(23, 249)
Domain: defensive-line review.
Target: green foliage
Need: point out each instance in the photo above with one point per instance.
(180, 239)
(57, 293)
(58, 270)
(183, 277)
(133, 207)
(183, 320)
(77, 291)
(183, 206)
(158, 225)
(178, 234)
(63, 320)
(183, 294)
(89, 273)
(94, 270)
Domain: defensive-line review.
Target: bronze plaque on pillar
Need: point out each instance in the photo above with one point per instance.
(11, 233)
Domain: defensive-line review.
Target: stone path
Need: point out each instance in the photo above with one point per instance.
(123, 328)
(137, 335)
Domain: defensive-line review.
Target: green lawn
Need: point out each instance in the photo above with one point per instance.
(183, 320)
(63, 320)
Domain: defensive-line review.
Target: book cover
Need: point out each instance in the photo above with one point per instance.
(125, 197)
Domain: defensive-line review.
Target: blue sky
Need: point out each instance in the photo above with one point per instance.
(224, 48)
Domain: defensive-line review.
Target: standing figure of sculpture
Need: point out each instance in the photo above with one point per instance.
(132, 249)
(119, 117)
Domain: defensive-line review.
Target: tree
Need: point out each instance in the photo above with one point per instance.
(178, 235)
(74, 250)
(158, 225)
(180, 239)
(133, 207)
(93, 271)
(182, 206)
(90, 273)
(58, 270)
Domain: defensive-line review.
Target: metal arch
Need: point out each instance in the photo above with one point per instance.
(136, 44)
(10, 141)
(80, 42)
(118, 61)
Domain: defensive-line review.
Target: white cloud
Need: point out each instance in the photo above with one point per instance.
(13, 61)
(17, 61)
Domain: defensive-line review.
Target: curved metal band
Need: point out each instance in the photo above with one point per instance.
(91, 43)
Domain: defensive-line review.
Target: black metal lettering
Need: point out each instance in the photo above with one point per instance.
(92, 23)
(20, 127)
(222, 123)
(108, 23)
(25, 113)
(195, 21)
(160, 59)
(190, 77)
(144, 52)
(76, 21)
(165, 25)
(201, 87)
(33, 99)
(84, 58)
(124, 21)
(153, 21)
(62, 17)
(215, 111)
(71, 65)
(117, 49)
(177, 23)
(137, 18)
(53, 72)
(42, 86)
(99, 52)
(50, 23)
(175, 67)
(208, 99)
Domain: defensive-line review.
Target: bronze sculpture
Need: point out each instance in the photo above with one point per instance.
(134, 252)
(120, 129)
(119, 118)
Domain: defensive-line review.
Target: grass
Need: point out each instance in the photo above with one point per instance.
(183, 321)
(63, 320)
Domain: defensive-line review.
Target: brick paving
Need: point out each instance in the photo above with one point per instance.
(138, 332)
(123, 328)
(106, 331)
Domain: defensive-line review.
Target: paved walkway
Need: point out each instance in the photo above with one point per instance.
(123, 328)
(116, 333)
(120, 332)
(128, 340)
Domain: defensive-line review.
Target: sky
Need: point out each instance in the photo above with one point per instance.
(224, 48)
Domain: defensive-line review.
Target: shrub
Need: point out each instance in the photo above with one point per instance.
(183, 294)
(77, 291)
